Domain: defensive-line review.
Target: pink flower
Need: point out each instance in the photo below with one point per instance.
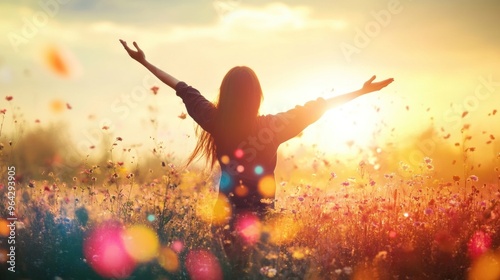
(473, 178)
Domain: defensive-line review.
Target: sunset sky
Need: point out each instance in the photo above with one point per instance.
(443, 55)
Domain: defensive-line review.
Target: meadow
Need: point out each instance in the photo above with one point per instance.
(114, 215)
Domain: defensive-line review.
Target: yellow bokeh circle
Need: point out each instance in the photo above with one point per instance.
(168, 259)
(267, 187)
(141, 243)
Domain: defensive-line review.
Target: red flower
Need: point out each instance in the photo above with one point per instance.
(155, 90)
(3, 111)
(8, 98)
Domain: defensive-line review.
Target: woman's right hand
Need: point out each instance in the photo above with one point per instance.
(137, 55)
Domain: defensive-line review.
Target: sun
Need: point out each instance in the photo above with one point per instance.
(350, 127)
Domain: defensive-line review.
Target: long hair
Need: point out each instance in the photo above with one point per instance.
(237, 108)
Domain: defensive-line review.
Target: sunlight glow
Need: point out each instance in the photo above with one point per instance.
(275, 15)
(353, 125)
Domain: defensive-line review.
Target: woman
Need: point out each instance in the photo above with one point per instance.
(242, 142)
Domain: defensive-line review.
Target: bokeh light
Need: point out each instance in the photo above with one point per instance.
(57, 106)
(60, 61)
(4, 227)
(222, 210)
(3, 256)
(267, 186)
(151, 217)
(259, 170)
(241, 190)
(224, 159)
(105, 252)
(177, 246)
(487, 267)
(240, 168)
(141, 243)
(248, 226)
(239, 153)
(225, 182)
(203, 265)
(479, 243)
(168, 259)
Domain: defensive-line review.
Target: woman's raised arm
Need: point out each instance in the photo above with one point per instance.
(140, 57)
(368, 86)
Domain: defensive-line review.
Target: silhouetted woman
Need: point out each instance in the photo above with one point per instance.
(243, 143)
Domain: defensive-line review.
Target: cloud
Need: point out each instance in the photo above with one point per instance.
(240, 23)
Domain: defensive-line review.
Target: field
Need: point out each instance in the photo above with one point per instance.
(116, 215)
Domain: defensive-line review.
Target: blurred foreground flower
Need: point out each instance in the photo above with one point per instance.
(60, 61)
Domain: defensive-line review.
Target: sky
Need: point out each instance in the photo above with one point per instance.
(61, 61)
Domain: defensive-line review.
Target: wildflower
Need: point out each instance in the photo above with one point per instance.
(119, 139)
(345, 183)
(182, 116)
(427, 160)
(456, 178)
(9, 97)
(105, 127)
(271, 273)
(430, 166)
(333, 175)
(68, 106)
(155, 89)
(465, 113)
(473, 178)
(3, 111)
(404, 166)
(348, 270)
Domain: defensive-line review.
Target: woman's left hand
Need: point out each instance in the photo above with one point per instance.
(137, 55)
